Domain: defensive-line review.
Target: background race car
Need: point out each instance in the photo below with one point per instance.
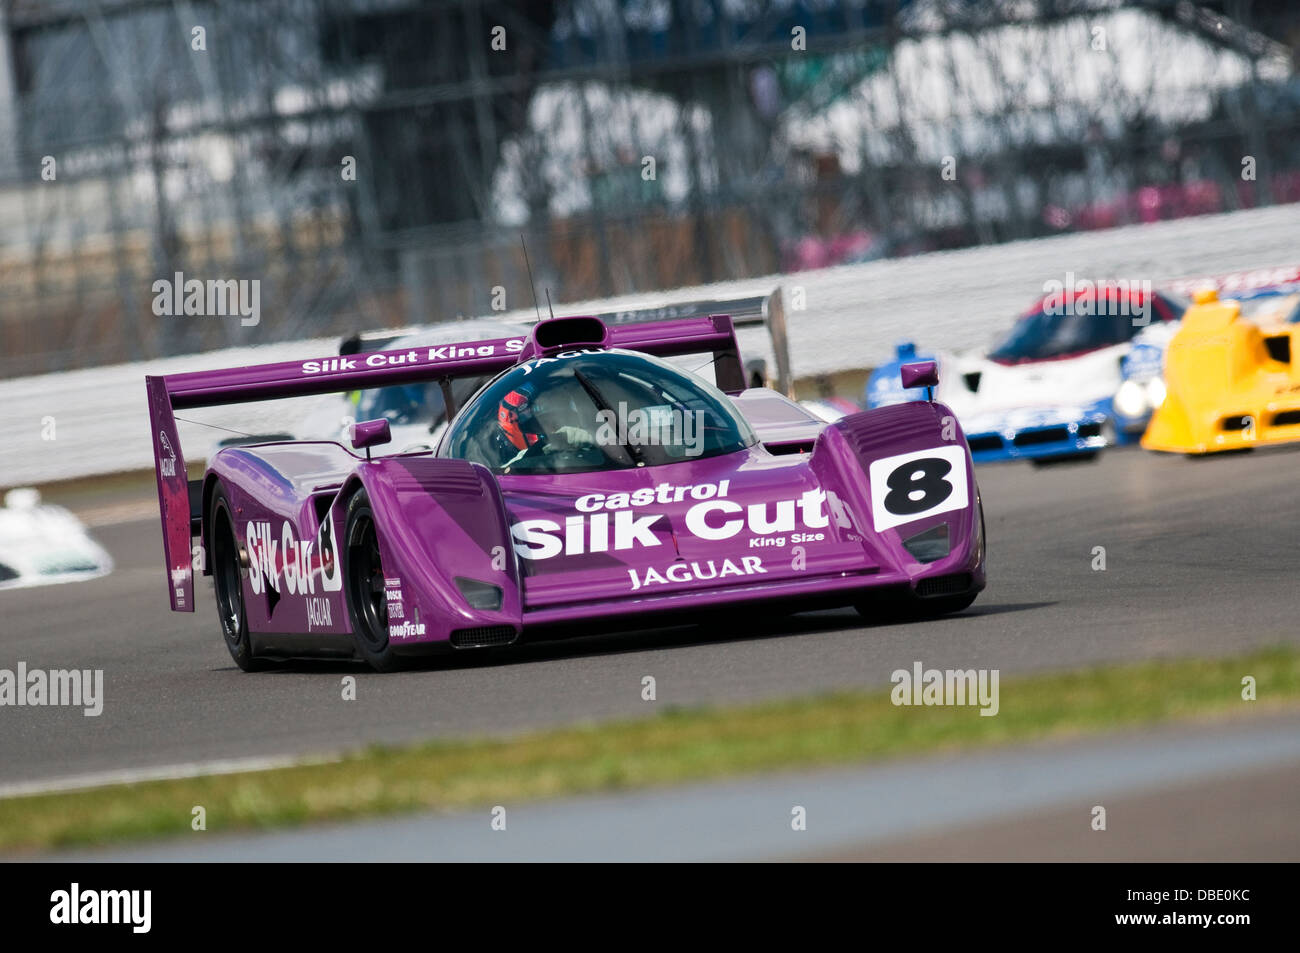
(556, 500)
(830, 408)
(1230, 381)
(1266, 298)
(41, 544)
(1047, 390)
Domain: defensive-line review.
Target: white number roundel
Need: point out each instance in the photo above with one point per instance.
(908, 486)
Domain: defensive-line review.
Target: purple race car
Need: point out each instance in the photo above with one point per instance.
(589, 484)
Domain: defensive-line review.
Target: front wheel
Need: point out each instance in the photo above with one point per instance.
(907, 608)
(1085, 456)
(912, 607)
(943, 605)
(364, 582)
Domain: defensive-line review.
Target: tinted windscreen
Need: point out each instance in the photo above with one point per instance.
(1040, 335)
(600, 410)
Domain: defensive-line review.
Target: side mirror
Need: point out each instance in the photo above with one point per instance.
(369, 433)
(920, 374)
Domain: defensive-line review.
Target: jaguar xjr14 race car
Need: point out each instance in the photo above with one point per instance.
(588, 483)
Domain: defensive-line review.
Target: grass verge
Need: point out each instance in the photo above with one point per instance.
(674, 746)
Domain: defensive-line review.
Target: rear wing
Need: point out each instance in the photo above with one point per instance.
(178, 501)
(766, 310)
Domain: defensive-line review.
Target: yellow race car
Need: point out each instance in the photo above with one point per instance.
(1230, 382)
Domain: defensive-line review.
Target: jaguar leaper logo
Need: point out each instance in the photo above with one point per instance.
(167, 464)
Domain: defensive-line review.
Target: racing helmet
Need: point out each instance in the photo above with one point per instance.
(517, 418)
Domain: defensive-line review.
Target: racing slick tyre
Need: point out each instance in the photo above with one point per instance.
(363, 581)
(227, 584)
(888, 609)
(943, 605)
(1234, 452)
(1085, 457)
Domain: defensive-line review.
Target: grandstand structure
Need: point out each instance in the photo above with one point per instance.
(374, 163)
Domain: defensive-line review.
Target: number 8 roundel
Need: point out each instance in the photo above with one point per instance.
(909, 486)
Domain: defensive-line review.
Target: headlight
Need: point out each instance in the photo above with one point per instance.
(1156, 391)
(1131, 399)
(929, 545)
(480, 595)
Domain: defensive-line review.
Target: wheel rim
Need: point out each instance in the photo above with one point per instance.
(366, 573)
(230, 593)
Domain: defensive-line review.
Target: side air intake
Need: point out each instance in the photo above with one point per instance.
(953, 585)
(483, 636)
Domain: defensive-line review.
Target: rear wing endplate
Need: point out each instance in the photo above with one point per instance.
(766, 310)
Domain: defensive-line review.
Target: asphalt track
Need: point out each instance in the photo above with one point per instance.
(1200, 560)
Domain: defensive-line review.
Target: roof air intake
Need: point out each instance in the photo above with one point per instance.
(566, 334)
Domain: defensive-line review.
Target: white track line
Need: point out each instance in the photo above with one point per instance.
(169, 772)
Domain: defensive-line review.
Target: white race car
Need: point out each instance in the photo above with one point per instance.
(41, 544)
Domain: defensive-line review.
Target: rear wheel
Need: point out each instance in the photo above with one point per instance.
(364, 582)
(227, 584)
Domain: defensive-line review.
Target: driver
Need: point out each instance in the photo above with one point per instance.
(527, 422)
(518, 420)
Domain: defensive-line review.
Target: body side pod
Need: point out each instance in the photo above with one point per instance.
(283, 503)
(444, 536)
